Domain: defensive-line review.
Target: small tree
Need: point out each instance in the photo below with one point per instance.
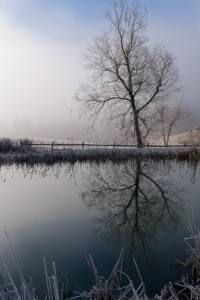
(127, 75)
(167, 116)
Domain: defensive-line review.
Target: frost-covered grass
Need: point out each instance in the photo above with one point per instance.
(32, 155)
(118, 285)
(24, 151)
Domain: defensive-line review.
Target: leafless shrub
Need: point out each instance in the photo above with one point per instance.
(26, 144)
(6, 145)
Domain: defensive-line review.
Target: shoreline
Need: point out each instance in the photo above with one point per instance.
(100, 154)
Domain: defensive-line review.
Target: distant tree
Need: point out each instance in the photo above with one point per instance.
(167, 117)
(128, 76)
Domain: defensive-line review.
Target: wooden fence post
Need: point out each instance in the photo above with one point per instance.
(52, 147)
(82, 145)
(114, 145)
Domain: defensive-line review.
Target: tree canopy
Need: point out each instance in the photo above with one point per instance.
(128, 75)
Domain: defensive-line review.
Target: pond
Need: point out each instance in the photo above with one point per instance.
(63, 212)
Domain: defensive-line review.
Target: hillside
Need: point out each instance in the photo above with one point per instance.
(190, 137)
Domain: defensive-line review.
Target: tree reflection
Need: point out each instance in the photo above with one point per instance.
(133, 200)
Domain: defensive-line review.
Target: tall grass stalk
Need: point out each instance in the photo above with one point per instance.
(118, 285)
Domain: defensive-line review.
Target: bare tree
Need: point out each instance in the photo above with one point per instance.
(127, 74)
(167, 117)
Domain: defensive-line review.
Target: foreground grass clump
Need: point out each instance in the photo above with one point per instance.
(118, 286)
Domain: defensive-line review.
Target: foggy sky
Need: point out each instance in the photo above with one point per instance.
(41, 60)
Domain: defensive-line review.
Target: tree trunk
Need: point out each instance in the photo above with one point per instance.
(137, 130)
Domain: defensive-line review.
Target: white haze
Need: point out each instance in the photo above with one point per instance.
(41, 66)
(39, 74)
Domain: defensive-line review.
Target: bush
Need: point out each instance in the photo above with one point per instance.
(6, 145)
(26, 144)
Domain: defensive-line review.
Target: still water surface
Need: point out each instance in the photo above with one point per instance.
(63, 212)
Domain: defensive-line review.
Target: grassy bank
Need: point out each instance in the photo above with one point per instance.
(32, 155)
(25, 151)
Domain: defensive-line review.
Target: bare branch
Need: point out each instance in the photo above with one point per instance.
(127, 74)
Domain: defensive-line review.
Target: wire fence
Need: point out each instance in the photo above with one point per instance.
(64, 146)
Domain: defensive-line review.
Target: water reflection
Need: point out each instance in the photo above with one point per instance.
(136, 205)
(39, 171)
(133, 201)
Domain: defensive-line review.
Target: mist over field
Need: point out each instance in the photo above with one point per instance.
(42, 63)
